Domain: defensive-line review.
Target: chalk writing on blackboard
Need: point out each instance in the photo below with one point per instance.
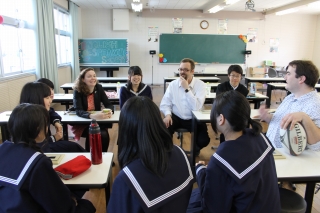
(103, 51)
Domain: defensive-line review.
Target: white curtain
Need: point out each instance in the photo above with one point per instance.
(73, 10)
(47, 58)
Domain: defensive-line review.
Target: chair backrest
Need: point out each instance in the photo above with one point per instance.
(272, 73)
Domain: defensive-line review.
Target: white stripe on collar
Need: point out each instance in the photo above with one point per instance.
(23, 172)
(251, 167)
(137, 93)
(150, 203)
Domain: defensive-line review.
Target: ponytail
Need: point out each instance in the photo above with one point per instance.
(256, 126)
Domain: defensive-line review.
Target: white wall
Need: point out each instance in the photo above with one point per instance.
(316, 50)
(296, 34)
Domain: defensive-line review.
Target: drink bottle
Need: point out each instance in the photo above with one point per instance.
(118, 88)
(95, 142)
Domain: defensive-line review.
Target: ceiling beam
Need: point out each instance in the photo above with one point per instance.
(289, 6)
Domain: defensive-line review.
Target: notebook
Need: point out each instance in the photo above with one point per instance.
(278, 155)
(55, 158)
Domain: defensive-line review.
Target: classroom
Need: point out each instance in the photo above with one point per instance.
(298, 36)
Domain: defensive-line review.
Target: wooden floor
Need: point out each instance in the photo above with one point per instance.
(97, 196)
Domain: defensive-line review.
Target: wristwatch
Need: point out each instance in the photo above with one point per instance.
(187, 90)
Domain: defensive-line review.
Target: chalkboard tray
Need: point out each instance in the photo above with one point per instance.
(202, 48)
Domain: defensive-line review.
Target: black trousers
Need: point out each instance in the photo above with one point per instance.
(202, 137)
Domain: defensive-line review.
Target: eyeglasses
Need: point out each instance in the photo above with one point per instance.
(184, 70)
(235, 76)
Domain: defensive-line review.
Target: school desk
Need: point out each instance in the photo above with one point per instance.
(298, 169)
(97, 176)
(281, 86)
(71, 118)
(256, 99)
(112, 79)
(67, 99)
(106, 86)
(204, 79)
(262, 80)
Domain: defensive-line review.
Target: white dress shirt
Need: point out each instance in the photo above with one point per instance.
(177, 101)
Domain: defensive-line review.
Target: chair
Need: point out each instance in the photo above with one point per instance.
(272, 73)
(180, 132)
(291, 202)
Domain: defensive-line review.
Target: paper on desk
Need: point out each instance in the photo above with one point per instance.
(278, 155)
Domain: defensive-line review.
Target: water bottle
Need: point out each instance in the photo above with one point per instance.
(95, 142)
(208, 89)
(118, 88)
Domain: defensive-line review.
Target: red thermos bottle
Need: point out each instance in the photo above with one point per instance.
(95, 142)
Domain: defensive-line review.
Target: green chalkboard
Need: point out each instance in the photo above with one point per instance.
(104, 52)
(202, 48)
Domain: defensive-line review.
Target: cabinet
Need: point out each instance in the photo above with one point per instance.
(120, 19)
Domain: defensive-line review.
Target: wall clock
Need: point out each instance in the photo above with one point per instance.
(204, 24)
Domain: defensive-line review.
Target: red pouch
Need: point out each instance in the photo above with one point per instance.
(73, 168)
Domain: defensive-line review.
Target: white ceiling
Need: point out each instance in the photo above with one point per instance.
(260, 5)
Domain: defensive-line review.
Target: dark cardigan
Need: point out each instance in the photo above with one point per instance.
(80, 101)
(224, 87)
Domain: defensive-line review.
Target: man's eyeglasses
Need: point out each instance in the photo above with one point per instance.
(184, 70)
(235, 76)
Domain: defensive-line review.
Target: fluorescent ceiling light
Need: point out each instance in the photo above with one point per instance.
(216, 9)
(228, 2)
(136, 7)
(314, 4)
(136, 0)
(284, 12)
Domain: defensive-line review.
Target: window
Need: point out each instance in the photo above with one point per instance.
(17, 37)
(63, 36)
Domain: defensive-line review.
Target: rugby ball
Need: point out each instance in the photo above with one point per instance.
(295, 140)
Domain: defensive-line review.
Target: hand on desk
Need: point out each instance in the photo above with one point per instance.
(167, 120)
(101, 115)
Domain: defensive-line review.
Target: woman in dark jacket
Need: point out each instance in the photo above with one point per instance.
(87, 96)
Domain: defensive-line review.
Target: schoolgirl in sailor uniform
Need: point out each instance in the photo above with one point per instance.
(39, 93)
(28, 182)
(241, 175)
(156, 175)
(134, 86)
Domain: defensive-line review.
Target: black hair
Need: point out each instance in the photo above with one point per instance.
(236, 110)
(307, 69)
(236, 68)
(143, 135)
(26, 122)
(134, 70)
(34, 93)
(47, 82)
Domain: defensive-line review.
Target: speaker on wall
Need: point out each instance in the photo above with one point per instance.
(152, 52)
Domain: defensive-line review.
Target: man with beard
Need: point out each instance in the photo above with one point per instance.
(184, 95)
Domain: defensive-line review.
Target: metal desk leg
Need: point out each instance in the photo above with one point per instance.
(269, 89)
(193, 142)
(66, 90)
(308, 196)
(5, 133)
(65, 131)
(246, 82)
